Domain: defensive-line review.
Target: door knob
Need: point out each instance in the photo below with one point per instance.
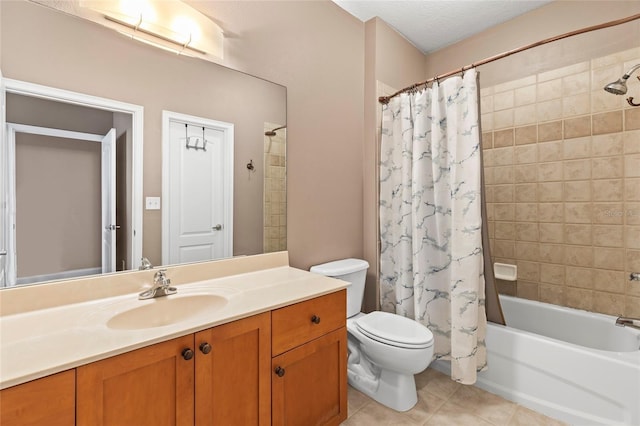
(218, 227)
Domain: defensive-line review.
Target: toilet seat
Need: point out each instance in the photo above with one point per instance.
(394, 330)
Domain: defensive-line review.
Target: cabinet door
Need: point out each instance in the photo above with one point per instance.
(49, 401)
(148, 386)
(309, 383)
(233, 380)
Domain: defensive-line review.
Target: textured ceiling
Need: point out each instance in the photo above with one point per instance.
(433, 24)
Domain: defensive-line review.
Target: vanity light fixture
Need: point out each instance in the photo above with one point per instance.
(168, 24)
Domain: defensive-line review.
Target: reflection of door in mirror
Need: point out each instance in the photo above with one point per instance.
(197, 209)
(62, 192)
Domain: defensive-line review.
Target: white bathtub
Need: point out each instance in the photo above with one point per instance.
(573, 365)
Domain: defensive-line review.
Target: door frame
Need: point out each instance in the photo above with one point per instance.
(228, 159)
(137, 121)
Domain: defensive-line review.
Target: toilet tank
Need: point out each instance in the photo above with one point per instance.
(353, 271)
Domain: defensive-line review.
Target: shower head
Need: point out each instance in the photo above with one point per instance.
(273, 132)
(619, 87)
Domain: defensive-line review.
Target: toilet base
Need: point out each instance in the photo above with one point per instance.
(396, 391)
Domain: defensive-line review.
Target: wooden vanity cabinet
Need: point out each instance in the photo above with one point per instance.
(219, 376)
(49, 401)
(309, 364)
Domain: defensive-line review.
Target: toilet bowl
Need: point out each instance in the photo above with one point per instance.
(385, 350)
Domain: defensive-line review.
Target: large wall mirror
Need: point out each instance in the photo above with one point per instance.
(49, 48)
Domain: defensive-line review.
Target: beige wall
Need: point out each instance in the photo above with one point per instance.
(47, 47)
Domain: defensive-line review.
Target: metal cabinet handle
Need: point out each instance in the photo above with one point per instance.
(315, 319)
(279, 371)
(187, 354)
(205, 348)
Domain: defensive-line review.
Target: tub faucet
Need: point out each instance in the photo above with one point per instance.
(161, 287)
(628, 322)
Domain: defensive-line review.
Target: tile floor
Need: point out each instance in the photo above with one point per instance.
(443, 402)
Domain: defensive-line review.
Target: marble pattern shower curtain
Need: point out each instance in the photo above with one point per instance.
(431, 264)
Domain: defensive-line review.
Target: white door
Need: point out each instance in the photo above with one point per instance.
(197, 191)
(108, 181)
(4, 205)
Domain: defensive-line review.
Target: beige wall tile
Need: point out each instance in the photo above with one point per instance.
(488, 158)
(502, 156)
(608, 213)
(579, 298)
(486, 103)
(579, 190)
(489, 191)
(632, 165)
(526, 173)
(632, 119)
(550, 191)
(526, 135)
(502, 138)
(632, 307)
(631, 141)
(503, 248)
(632, 237)
(503, 193)
(602, 101)
(633, 287)
(548, 90)
(526, 212)
(551, 212)
(550, 293)
(528, 271)
(527, 231)
(503, 174)
(579, 277)
(486, 121)
(576, 83)
(551, 233)
(564, 71)
(527, 290)
(550, 151)
(503, 119)
(503, 100)
(551, 253)
(632, 213)
(515, 84)
(577, 127)
(607, 168)
(487, 140)
(608, 258)
(525, 95)
(551, 274)
(607, 122)
(525, 114)
(605, 145)
(505, 230)
(550, 171)
(577, 169)
(614, 58)
(605, 75)
(488, 178)
(632, 189)
(633, 260)
(549, 110)
(577, 212)
(579, 255)
(550, 131)
(579, 104)
(577, 148)
(577, 234)
(608, 235)
(505, 211)
(608, 303)
(526, 154)
(527, 251)
(526, 192)
(607, 190)
(607, 280)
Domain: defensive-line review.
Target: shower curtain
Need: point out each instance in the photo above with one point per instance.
(431, 260)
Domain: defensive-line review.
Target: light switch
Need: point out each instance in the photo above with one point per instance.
(152, 203)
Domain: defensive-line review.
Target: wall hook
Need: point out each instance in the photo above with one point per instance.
(250, 165)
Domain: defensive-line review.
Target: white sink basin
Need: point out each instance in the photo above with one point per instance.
(166, 310)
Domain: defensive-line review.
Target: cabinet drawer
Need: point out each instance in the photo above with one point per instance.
(294, 325)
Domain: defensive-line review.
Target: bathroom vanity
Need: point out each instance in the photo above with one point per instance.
(273, 353)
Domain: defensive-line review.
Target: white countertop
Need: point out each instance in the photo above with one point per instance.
(41, 342)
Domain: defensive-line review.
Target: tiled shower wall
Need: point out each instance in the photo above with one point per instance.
(275, 190)
(562, 171)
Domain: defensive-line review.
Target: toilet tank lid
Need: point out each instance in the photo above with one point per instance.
(340, 267)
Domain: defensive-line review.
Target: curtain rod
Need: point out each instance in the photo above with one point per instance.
(386, 99)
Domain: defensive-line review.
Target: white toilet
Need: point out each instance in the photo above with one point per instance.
(385, 350)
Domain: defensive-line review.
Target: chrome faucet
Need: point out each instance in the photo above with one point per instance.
(628, 322)
(161, 287)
